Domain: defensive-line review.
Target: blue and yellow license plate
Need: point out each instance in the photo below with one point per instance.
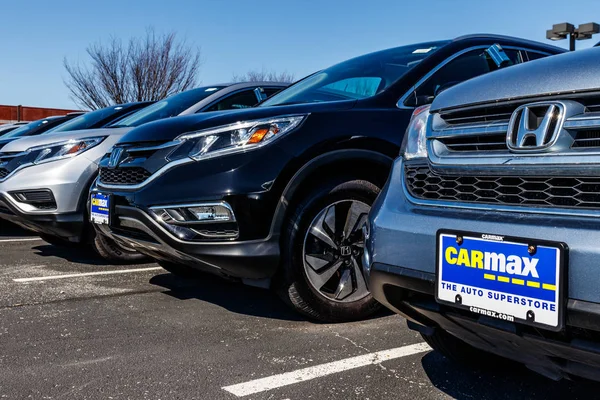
(100, 209)
(512, 279)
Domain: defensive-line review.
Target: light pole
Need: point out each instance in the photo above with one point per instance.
(566, 30)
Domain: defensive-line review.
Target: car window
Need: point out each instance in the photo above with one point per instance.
(271, 91)
(364, 86)
(534, 55)
(237, 101)
(464, 67)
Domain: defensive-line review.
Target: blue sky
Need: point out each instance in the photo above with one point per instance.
(238, 35)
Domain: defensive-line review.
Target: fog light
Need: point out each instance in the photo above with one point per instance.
(213, 213)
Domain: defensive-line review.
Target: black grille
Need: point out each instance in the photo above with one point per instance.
(586, 139)
(3, 173)
(123, 176)
(578, 192)
(479, 115)
(476, 143)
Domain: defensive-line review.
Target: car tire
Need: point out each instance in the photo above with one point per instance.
(111, 251)
(460, 352)
(301, 275)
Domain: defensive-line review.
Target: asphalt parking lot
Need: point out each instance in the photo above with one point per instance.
(72, 327)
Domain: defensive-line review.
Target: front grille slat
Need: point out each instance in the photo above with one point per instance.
(551, 192)
(123, 176)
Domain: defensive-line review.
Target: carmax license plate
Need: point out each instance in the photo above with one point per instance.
(513, 279)
(100, 209)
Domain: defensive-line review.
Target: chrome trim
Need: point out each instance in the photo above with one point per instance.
(523, 130)
(400, 103)
(150, 148)
(152, 177)
(191, 205)
(466, 130)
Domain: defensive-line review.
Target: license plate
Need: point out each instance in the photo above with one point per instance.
(100, 208)
(512, 279)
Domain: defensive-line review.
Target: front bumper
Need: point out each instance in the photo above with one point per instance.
(400, 254)
(67, 180)
(135, 228)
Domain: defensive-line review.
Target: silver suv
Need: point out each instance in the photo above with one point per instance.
(486, 235)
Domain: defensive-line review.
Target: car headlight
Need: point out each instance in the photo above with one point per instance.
(60, 150)
(235, 138)
(414, 144)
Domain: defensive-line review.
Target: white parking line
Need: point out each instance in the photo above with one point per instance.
(20, 240)
(305, 374)
(51, 277)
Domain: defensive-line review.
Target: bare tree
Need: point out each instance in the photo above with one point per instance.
(148, 68)
(264, 76)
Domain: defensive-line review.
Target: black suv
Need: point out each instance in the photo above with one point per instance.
(277, 195)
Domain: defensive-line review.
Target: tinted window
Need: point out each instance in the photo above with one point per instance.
(169, 107)
(532, 55)
(357, 78)
(93, 119)
(237, 101)
(34, 128)
(462, 68)
(271, 91)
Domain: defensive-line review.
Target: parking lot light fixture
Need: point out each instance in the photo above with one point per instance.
(565, 30)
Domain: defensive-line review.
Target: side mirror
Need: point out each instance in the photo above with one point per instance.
(496, 53)
(418, 101)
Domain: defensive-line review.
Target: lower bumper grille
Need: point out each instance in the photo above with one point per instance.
(560, 192)
(123, 176)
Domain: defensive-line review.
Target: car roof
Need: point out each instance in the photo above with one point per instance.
(518, 41)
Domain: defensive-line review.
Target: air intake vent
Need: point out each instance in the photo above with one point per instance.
(3, 173)
(479, 115)
(586, 139)
(475, 143)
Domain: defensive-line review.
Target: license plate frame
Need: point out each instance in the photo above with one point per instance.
(441, 294)
(99, 214)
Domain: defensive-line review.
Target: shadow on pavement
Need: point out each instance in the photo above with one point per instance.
(74, 254)
(7, 230)
(512, 382)
(232, 296)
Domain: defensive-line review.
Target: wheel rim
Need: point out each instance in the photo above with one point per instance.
(333, 248)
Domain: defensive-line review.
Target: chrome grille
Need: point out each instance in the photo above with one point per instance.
(561, 192)
(123, 176)
(586, 139)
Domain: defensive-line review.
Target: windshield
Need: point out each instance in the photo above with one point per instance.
(169, 107)
(26, 129)
(87, 120)
(357, 78)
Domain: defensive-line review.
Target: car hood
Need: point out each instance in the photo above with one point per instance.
(23, 144)
(168, 129)
(560, 74)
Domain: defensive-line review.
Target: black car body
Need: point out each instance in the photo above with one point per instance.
(345, 135)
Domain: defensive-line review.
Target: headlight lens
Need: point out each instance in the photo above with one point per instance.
(414, 144)
(239, 137)
(59, 150)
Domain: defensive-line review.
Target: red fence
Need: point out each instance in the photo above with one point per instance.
(23, 113)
